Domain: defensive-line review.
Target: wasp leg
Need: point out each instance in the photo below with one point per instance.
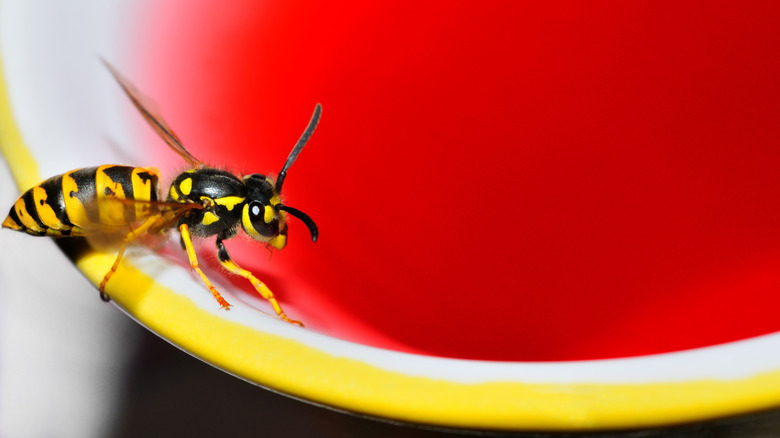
(230, 265)
(187, 240)
(129, 237)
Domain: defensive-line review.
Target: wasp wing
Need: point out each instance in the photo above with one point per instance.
(168, 212)
(148, 109)
(123, 219)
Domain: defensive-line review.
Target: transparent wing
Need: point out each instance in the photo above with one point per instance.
(149, 110)
(112, 218)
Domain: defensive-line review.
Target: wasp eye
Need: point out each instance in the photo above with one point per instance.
(256, 176)
(260, 221)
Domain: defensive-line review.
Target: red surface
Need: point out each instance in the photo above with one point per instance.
(496, 180)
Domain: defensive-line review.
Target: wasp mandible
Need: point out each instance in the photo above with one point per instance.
(124, 202)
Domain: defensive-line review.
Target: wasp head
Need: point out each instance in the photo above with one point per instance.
(264, 217)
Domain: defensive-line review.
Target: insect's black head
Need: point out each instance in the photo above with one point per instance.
(264, 217)
(259, 218)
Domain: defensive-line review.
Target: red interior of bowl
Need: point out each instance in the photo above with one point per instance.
(496, 180)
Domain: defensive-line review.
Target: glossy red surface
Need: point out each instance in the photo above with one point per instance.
(496, 180)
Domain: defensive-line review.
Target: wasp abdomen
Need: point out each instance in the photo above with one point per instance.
(85, 201)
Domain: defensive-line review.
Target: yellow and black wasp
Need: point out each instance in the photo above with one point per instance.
(123, 201)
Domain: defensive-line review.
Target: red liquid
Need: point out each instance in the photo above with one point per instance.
(496, 181)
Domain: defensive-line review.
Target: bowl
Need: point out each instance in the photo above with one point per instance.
(531, 218)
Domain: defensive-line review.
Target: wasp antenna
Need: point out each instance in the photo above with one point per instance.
(303, 217)
(315, 118)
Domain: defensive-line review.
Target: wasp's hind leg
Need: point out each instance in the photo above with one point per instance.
(186, 240)
(129, 237)
(230, 265)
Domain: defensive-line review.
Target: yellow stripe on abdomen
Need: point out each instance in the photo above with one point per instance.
(26, 218)
(110, 194)
(76, 210)
(144, 181)
(46, 213)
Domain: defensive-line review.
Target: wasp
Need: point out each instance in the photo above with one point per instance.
(124, 202)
